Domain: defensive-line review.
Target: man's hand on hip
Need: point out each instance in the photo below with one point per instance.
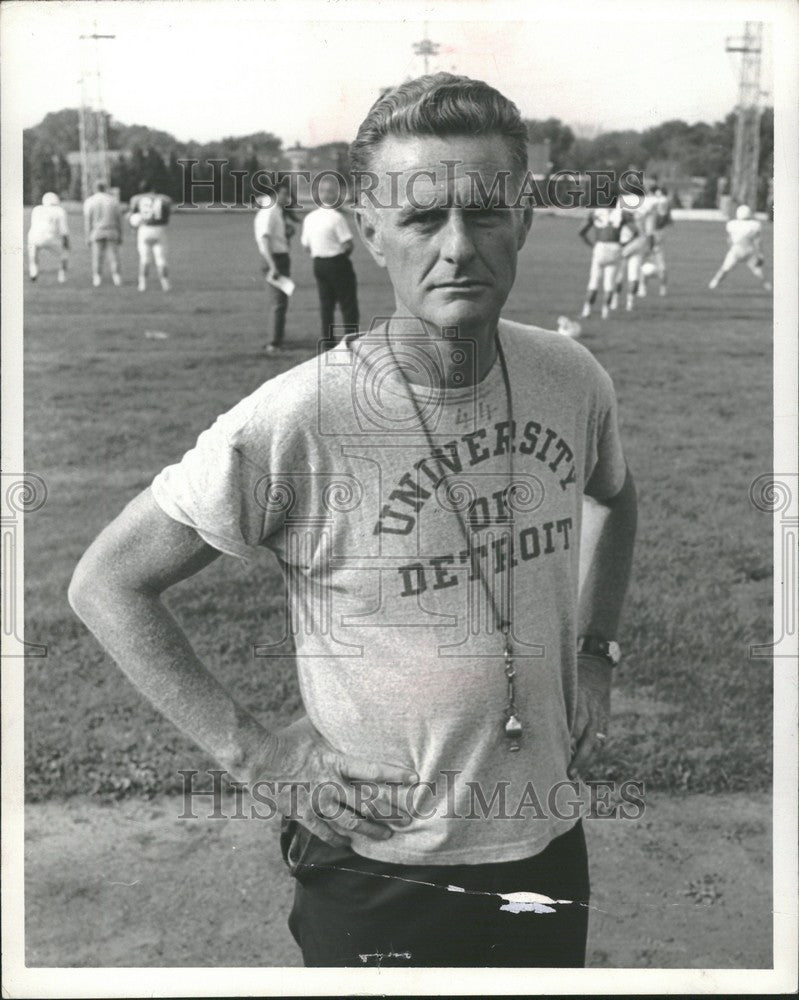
(591, 720)
(333, 795)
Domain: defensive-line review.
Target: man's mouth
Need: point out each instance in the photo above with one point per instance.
(461, 283)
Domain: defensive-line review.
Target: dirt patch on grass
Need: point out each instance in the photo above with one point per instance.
(686, 886)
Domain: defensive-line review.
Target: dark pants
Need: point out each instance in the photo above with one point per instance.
(278, 302)
(381, 910)
(335, 280)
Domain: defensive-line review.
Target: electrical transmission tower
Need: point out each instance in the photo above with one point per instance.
(426, 49)
(746, 153)
(92, 118)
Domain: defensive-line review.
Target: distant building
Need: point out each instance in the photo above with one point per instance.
(328, 156)
(297, 156)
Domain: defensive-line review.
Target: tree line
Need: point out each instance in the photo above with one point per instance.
(145, 153)
(700, 150)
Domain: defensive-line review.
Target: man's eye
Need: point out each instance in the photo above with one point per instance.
(425, 219)
(487, 213)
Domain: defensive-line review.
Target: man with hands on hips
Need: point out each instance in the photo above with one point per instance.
(443, 719)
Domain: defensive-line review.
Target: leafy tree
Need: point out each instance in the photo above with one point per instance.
(559, 135)
(615, 151)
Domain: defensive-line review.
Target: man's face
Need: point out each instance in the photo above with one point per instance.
(450, 253)
(328, 191)
(283, 196)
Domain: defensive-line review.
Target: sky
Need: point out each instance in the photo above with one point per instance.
(309, 70)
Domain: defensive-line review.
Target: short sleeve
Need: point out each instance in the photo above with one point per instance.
(342, 229)
(272, 227)
(607, 468)
(215, 489)
(63, 225)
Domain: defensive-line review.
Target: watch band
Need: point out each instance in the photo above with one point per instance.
(594, 646)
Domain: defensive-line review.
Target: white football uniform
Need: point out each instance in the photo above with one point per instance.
(744, 235)
(637, 249)
(48, 228)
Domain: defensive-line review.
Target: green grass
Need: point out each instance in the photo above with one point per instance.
(106, 408)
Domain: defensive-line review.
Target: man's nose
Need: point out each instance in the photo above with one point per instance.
(457, 246)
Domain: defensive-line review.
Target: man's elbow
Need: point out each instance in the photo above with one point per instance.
(83, 587)
(91, 586)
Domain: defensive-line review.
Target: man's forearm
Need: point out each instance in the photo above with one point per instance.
(607, 541)
(266, 252)
(147, 643)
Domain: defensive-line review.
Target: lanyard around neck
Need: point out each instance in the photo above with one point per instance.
(512, 726)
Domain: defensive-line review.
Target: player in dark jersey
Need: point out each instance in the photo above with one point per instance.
(149, 213)
(606, 257)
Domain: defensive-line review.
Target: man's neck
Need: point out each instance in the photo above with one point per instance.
(454, 362)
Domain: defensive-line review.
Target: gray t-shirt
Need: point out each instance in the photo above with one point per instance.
(397, 654)
(102, 214)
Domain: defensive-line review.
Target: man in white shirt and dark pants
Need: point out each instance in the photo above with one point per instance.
(272, 236)
(327, 237)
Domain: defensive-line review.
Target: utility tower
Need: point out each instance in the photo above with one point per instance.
(426, 49)
(746, 152)
(92, 119)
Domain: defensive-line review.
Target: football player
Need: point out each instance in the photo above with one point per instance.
(48, 231)
(606, 255)
(149, 214)
(662, 218)
(743, 238)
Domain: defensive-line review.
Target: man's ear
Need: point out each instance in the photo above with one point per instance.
(369, 230)
(524, 229)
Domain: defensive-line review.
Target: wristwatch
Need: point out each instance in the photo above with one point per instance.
(594, 646)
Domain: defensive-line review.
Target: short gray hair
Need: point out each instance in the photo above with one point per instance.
(440, 104)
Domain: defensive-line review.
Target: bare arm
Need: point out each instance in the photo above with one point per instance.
(583, 234)
(607, 540)
(116, 589)
(266, 253)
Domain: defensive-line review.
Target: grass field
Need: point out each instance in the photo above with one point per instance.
(107, 407)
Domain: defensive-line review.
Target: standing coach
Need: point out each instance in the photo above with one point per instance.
(272, 234)
(327, 237)
(455, 608)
